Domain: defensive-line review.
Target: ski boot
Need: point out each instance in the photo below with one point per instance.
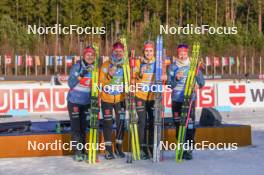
(187, 155)
(109, 153)
(144, 155)
(78, 157)
(85, 157)
(118, 151)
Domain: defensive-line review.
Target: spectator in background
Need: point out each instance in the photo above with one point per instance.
(55, 79)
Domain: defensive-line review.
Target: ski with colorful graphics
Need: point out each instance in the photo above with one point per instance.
(158, 100)
(94, 112)
(126, 67)
(133, 122)
(186, 109)
(133, 139)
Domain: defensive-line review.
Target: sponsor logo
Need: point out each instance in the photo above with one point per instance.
(257, 95)
(237, 94)
(207, 97)
(33, 99)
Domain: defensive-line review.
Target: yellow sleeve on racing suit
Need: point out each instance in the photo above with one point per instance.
(105, 79)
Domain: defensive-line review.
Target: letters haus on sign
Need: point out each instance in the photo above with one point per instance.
(34, 100)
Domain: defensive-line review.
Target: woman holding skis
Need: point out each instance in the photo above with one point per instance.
(79, 100)
(112, 97)
(177, 75)
(145, 77)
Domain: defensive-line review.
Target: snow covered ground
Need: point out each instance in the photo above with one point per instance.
(244, 161)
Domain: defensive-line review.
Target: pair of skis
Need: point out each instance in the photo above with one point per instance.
(94, 112)
(133, 121)
(187, 103)
(133, 130)
(133, 139)
(158, 107)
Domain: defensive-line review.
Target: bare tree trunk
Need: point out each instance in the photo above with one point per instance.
(188, 14)
(227, 12)
(128, 16)
(112, 34)
(200, 7)
(17, 12)
(232, 12)
(180, 13)
(70, 48)
(260, 16)
(216, 8)
(167, 12)
(146, 16)
(106, 44)
(57, 37)
(117, 28)
(248, 10)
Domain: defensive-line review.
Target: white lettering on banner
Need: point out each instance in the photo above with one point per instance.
(41, 101)
(4, 102)
(57, 100)
(41, 104)
(207, 96)
(53, 99)
(18, 100)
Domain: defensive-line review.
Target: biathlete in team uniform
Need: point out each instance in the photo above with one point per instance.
(177, 76)
(111, 77)
(79, 99)
(145, 77)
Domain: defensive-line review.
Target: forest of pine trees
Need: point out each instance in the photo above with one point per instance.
(138, 19)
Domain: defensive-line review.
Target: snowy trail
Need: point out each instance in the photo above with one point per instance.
(244, 161)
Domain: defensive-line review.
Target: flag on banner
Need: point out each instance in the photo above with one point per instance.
(208, 61)
(49, 60)
(224, 61)
(8, 59)
(37, 61)
(18, 59)
(59, 60)
(231, 61)
(216, 61)
(238, 63)
(29, 61)
(76, 58)
(68, 61)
